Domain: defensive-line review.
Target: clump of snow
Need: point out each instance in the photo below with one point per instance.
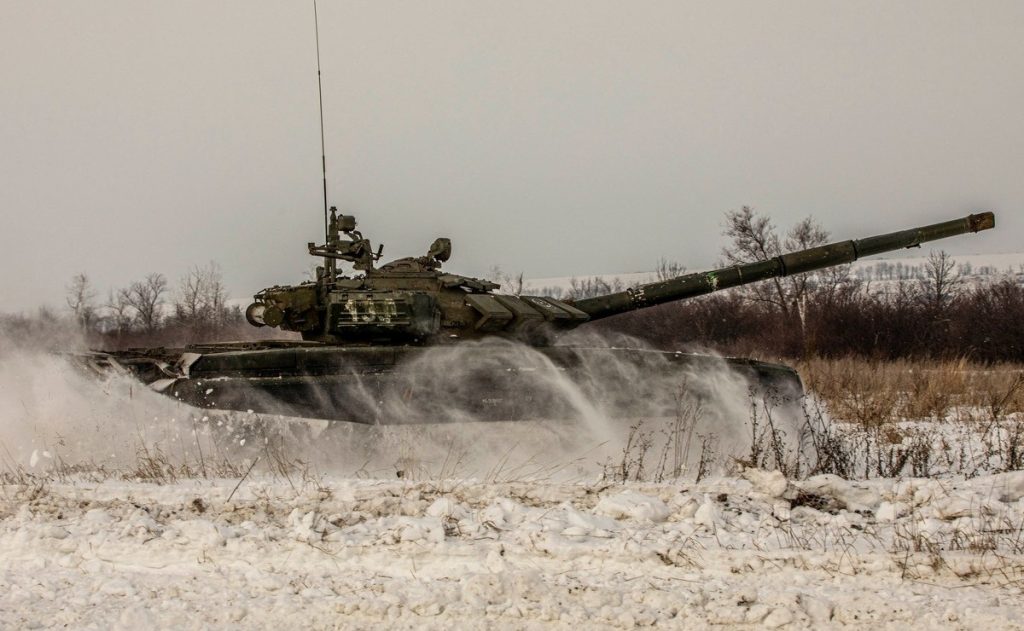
(707, 515)
(846, 495)
(771, 483)
(633, 505)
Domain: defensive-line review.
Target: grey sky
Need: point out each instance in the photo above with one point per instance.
(549, 138)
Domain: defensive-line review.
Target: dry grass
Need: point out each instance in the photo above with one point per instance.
(983, 403)
(886, 412)
(875, 393)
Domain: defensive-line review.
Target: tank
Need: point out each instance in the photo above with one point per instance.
(374, 336)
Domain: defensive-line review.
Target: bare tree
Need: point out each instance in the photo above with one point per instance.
(215, 296)
(667, 270)
(510, 283)
(119, 312)
(188, 305)
(809, 234)
(941, 284)
(146, 297)
(593, 286)
(754, 237)
(80, 297)
(201, 300)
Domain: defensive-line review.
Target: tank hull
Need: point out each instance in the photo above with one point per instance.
(407, 384)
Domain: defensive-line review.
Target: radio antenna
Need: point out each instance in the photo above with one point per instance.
(320, 94)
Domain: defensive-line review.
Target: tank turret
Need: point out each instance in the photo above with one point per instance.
(412, 301)
(407, 301)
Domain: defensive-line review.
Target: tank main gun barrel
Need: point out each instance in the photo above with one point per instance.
(809, 260)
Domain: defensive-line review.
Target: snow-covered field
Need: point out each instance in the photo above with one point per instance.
(119, 511)
(753, 550)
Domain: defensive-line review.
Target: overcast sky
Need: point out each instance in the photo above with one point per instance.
(553, 138)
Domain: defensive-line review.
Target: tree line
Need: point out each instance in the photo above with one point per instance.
(941, 311)
(148, 311)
